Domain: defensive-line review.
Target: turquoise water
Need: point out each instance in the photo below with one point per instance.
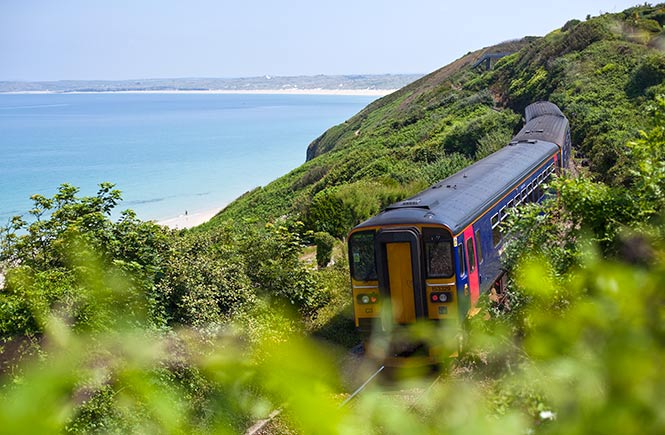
(167, 153)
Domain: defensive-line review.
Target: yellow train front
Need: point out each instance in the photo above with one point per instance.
(427, 259)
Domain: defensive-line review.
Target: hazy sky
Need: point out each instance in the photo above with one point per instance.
(125, 39)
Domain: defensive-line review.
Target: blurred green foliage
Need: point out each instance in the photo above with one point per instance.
(127, 327)
(586, 358)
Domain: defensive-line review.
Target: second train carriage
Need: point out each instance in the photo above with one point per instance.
(432, 255)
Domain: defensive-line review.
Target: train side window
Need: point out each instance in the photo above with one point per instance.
(511, 204)
(524, 195)
(479, 246)
(502, 213)
(496, 232)
(471, 254)
(438, 255)
(460, 255)
(529, 190)
(363, 260)
(541, 190)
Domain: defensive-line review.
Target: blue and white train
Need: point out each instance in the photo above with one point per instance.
(432, 255)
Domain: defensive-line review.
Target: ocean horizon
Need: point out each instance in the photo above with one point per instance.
(169, 154)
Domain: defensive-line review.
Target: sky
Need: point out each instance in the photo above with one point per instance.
(44, 40)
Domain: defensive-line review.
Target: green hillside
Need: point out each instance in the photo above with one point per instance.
(602, 73)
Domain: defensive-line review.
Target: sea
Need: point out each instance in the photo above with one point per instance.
(168, 153)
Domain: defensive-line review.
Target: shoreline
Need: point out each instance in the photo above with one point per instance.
(189, 220)
(348, 92)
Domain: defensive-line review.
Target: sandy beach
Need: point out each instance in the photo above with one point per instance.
(190, 219)
(290, 91)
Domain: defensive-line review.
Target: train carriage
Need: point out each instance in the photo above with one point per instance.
(432, 255)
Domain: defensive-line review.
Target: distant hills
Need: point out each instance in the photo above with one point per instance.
(326, 82)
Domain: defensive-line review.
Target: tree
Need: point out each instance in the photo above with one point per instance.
(48, 261)
(324, 248)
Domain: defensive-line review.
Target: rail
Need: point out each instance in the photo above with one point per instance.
(362, 387)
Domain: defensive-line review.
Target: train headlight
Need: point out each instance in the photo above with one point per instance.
(441, 297)
(364, 299)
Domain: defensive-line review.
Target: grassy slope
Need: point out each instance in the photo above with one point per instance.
(603, 73)
(394, 140)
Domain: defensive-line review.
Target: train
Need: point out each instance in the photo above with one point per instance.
(431, 256)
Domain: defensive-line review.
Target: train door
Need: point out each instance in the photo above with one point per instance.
(462, 277)
(472, 263)
(399, 272)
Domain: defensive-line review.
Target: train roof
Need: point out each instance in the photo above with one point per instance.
(541, 108)
(545, 122)
(459, 199)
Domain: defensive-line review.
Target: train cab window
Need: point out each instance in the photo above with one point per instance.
(363, 259)
(471, 254)
(438, 254)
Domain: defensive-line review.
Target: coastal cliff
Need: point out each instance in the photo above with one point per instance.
(408, 95)
(603, 73)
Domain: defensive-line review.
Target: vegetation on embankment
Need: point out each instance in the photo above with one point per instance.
(127, 327)
(602, 73)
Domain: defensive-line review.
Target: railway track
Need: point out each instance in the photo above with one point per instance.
(404, 396)
(409, 395)
(362, 387)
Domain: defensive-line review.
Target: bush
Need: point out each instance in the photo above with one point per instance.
(649, 73)
(570, 24)
(327, 213)
(324, 248)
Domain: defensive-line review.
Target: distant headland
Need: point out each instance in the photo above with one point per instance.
(319, 84)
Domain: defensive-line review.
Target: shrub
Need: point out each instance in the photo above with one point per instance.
(570, 24)
(324, 248)
(649, 73)
(327, 213)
